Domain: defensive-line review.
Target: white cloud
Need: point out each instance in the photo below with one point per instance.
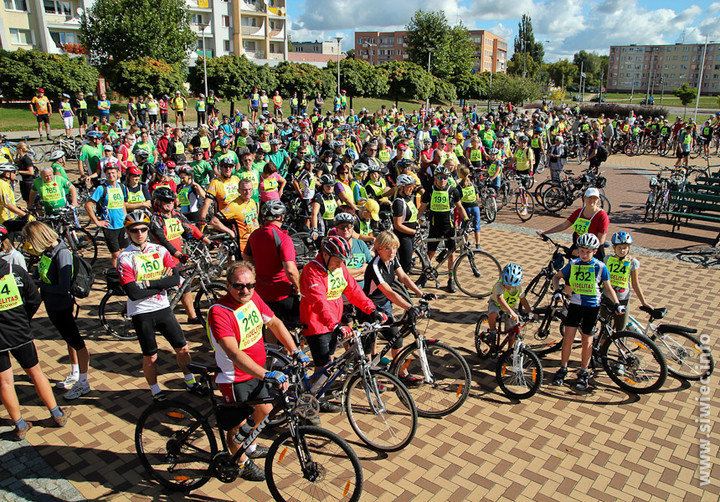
(493, 9)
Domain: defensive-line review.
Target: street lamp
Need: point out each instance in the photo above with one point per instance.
(427, 101)
(202, 32)
(702, 70)
(338, 63)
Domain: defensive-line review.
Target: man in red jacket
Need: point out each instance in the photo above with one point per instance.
(162, 145)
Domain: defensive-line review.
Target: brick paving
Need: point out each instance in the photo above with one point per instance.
(604, 445)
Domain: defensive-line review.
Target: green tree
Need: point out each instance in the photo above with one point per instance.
(514, 89)
(350, 54)
(148, 76)
(525, 41)
(121, 30)
(472, 86)
(520, 64)
(453, 52)
(303, 77)
(360, 78)
(22, 72)
(456, 56)
(408, 80)
(443, 91)
(686, 94)
(591, 64)
(561, 73)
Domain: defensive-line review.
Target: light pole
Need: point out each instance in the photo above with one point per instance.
(338, 63)
(204, 57)
(427, 101)
(702, 70)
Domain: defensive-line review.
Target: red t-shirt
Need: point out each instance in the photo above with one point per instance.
(271, 282)
(223, 322)
(599, 223)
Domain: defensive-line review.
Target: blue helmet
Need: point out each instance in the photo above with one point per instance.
(161, 169)
(622, 238)
(512, 275)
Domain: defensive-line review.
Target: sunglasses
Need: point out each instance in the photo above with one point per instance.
(442, 177)
(140, 230)
(240, 286)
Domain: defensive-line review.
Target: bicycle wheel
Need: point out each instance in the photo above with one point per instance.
(685, 356)
(649, 206)
(321, 467)
(537, 289)
(489, 208)
(692, 176)
(519, 376)
(605, 204)
(82, 216)
(548, 336)
(305, 248)
(381, 410)
(114, 318)
(633, 362)
(542, 164)
(204, 299)
(476, 272)
(540, 189)
(553, 199)
(483, 346)
(524, 205)
(83, 243)
(175, 445)
(446, 386)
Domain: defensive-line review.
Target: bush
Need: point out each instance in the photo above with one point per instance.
(612, 109)
(147, 76)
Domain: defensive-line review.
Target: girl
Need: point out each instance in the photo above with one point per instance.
(271, 183)
(26, 169)
(470, 201)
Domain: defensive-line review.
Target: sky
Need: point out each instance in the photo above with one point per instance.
(565, 26)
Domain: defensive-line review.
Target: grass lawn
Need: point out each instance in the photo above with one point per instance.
(668, 99)
(17, 117)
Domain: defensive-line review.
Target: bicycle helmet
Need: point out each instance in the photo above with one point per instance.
(164, 194)
(137, 217)
(224, 142)
(405, 180)
(134, 171)
(141, 152)
(227, 161)
(57, 155)
(94, 134)
(360, 168)
(336, 246)
(186, 170)
(272, 210)
(310, 158)
(441, 171)
(375, 168)
(275, 141)
(622, 238)
(161, 169)
(327, 180)
(341, 218)
(512, 275)
(7, 168)
(494, 151)
(588, 241)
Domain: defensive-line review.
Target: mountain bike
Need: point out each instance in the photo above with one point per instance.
(568, 190)
(518, 371)
(177, 446)
(540, 284)
(705, 257)
(78, 239)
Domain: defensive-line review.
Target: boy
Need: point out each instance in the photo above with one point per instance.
(505, 296)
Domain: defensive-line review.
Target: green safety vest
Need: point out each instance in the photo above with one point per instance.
(330, 208)
(82, 104)
(440, 201)
(200, 106)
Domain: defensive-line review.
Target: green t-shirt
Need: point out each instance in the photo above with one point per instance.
(149, 146)
(53, 193)
(202, 171)
(59, 170)
(91, 155)
(229, 153)
(254, 176)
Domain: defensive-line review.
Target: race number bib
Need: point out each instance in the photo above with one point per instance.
(148, 267)
(581, 226)
(336, 284)
(9, 293)
(115, 198)
(582, 280)
(250, 325)
(173, 228)
(619, 272)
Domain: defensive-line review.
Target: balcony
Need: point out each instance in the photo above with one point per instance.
(253, 31)
(202, 5)
(258, 6)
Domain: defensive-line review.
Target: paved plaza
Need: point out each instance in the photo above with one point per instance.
(558, 445)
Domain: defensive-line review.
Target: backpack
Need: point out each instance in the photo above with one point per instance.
(602, 153)
(82, 277)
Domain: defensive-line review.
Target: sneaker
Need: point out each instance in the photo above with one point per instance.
(260, 452)
(197, 388)
(67, 383)
(560, 376)
(194, 320)
(251, 472)
(451, 286)
(20, 433)
(582, 380)
(161, 395)
(411, 380)
(62, 419)
(328, 407)
(77, 390)
(312, 421)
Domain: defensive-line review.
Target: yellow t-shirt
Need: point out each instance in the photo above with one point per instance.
(41, 104)
(246, 217)
(224, 191)
(6, 197)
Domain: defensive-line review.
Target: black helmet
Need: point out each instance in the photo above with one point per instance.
(164, 194)
(327, 180)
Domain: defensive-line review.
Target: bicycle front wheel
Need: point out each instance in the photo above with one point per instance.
(476, 272)
(685, 355)
(114, 318)
(605, 204)
(553, 199)
(381, 411)
(204, 299)
(489, 208)
(524, 205)
(633, 362)
(175, 445)
(82, 243)
(444, 385)
(519, 375)
(316, 465)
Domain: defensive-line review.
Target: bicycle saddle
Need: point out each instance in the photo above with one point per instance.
(202, 369)
(654, 313)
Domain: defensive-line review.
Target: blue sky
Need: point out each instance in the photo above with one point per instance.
(569, 25)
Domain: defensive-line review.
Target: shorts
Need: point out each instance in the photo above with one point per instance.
(474, 214)
(162, 321)
(441, 233)
(82, 117)
(43, 117)
(179, 113)
(287, 309)
(583, 317)
(322, 347)
(68, 121)
(242, 392)
(682, 155)
(115, 239)
(254, 108)
(25, 355)
(494, 308)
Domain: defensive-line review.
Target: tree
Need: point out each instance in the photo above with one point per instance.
(360, 78)
(303, 77)
(592, 65)
(121, 30)
(562, 72)
(23, 72)
(290, 46)
(525, 41)
(427, 31)
(350, 54)
(148, 76)
(408, 80)
(686, 94)
(520, 64)
(473, 86)
(514, 89)
(456, 56)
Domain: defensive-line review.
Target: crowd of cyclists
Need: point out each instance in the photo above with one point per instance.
(363, 186)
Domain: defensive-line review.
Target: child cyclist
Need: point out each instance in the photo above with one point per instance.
(584, 276)
(504, 297)
(623, 269)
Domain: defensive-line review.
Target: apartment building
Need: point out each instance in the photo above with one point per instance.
(663, 67)
(379, 47)
(317, 47)
(256, 28)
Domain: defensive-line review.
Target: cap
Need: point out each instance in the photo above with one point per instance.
(592, 192)
(373, 208)
(177, 92)
(41, 90)
(108, 148)
(402, 146)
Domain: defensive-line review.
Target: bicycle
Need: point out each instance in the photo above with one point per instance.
(518, 372)
(176, 445)
(658, 200)
(78, 239)
(379, 407)
(540, 284)
(684, 354)
(481, 268)
(524, 202)
(705, 257)
(565, 193)
(70, 146)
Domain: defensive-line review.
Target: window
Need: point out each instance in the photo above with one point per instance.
(20, 37)
(226, 21)
(249, 21)
(226, 46)
(16, 5)
(275, 48)
(60, 37)
(275, 25)
(197, 20)
(400, 40)
(685, 58)
(249, 45)
(57, 7)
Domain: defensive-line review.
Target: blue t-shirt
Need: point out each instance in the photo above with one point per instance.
(110, 204)
(359, 256)
(583, 272)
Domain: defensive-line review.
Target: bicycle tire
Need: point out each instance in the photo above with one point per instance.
(375, 429)
(553, 199)
(83, 243)
(204, 299)
(540, 188)
(524, 205)
(489, 208)
(480, 269)
(535, 291)
(692, 176)
(542, 164)
(113, 316)
(482, 348)
(628, 358)
(317, 443)
(685, 358)
(649, 206)
(605, 204)
(512, 381)
(173, 419)
(451, 374)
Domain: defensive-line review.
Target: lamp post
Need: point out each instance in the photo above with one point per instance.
(204, 57)
(338, 63)
(702, 70)
(427, 101)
